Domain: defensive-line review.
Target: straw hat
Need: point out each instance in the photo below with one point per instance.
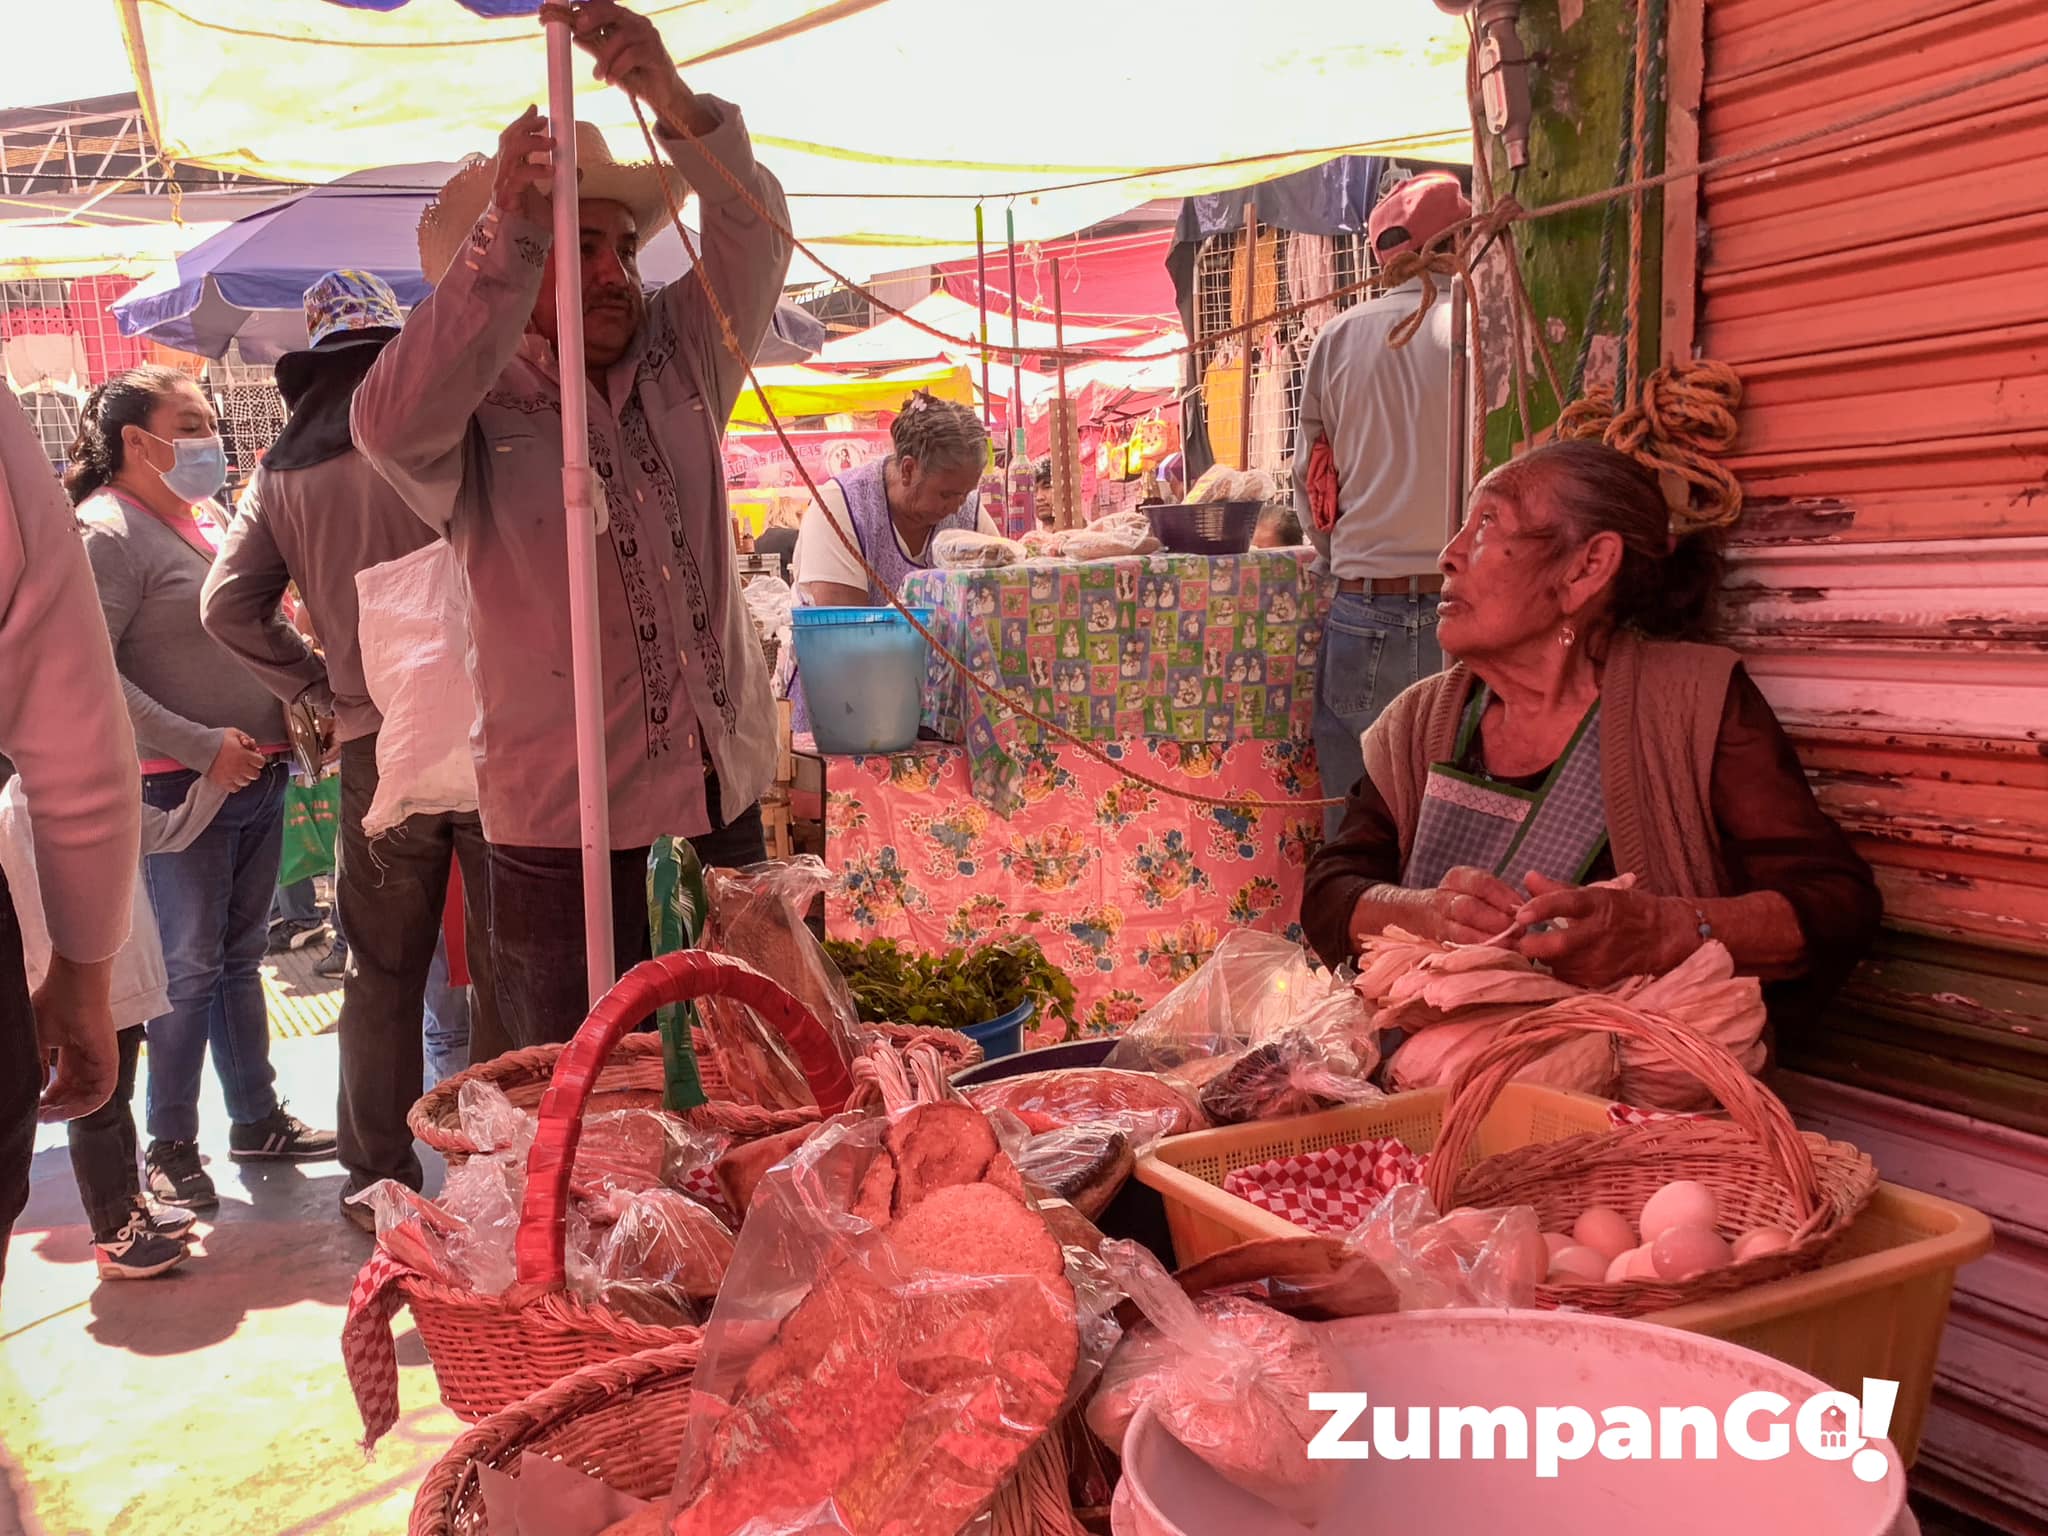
(635, 183)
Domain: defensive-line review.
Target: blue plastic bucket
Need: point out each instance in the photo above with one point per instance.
(863, 672)
(1004, 1036)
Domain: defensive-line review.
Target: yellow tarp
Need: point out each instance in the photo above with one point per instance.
(885, 118)
(34, 249)
(795, 390)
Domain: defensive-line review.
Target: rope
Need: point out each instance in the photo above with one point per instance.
(1001, 696)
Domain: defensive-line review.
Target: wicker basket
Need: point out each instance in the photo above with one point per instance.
(491, 1351)
(633, 1079)
(623, 1421)
(1762, 1169)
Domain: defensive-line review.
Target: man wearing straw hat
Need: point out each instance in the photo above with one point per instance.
(315, 515)
(462, 414)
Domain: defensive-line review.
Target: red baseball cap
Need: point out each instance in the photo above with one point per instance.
(1416, 212)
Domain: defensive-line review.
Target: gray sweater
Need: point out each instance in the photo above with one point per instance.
(183, 690)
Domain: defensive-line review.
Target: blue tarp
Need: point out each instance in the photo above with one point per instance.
(1334, 198)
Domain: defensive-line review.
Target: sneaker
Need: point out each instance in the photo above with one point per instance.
(334, 964)
(136, 1252)
(360, 1217)
(165, 1220)
(290, 933)
(176, 1178)
(279, 1138)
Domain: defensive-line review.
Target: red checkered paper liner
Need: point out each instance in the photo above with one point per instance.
(1331, 1191)
(367, 1350)
(1621, 1116)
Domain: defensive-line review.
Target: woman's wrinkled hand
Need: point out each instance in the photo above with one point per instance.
(1596, 935)
(1470, 907)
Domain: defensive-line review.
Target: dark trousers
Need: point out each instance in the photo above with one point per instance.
(103, 1149)
(390, 895)
(21, 1078)
(537, 944)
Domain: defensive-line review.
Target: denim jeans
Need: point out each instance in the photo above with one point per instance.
(537, 923)
(21, 1078)
(391, 894)
(447, 1022)
(212, 906)
(104, 1159)
(1373, 649)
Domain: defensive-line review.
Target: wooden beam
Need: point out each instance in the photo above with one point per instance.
(1685, 83)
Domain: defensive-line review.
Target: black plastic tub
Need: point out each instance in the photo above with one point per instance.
(1207, 527)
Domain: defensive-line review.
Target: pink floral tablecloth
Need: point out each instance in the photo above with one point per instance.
(1131, 889)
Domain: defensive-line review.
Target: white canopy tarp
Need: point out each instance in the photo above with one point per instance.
(885, 120)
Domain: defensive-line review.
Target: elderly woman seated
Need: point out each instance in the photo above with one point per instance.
(1584, 734)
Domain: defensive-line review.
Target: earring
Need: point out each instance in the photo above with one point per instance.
(1567, 636)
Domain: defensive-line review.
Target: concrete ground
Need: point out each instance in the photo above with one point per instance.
(210, 1401)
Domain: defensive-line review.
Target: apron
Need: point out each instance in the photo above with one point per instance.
(1469, 820)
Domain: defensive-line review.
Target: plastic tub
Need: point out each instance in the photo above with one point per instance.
(863, 672)
(1207, 527)
(1529, 1361)
(1005, 1036)
(1046, 1058)
(1876, 1308)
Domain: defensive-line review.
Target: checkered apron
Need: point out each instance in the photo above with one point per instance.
(1471, 821)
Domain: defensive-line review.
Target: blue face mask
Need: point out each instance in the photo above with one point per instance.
(199, 468)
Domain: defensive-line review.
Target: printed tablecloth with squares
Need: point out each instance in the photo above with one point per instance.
(1172, 647)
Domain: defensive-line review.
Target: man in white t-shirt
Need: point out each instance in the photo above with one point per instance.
(892, 508)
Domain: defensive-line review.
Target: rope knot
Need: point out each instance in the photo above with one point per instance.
(1684, 413)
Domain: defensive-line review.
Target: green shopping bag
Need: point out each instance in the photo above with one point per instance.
(675, 913)
(312, 812)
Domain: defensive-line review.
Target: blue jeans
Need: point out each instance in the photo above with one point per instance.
(447, 1021)
(1374, 648)
(213, 907)
(295, 904)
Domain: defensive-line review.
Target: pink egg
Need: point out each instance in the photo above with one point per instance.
(1681, 1203)
(1578, 1266)
(1762, 1241)
(1618, 1271)
(1683, 1252)
(1557, 1242)
(1603, 1230)
(1641, 1266)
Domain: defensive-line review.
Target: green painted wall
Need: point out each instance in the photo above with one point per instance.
(1581, 55)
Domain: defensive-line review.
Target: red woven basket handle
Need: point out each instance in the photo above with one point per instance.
(681, 977)
(1748, 1102)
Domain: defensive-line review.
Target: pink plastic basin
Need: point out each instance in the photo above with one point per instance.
(1528, 1360)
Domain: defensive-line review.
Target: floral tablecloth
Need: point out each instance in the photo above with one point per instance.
(1129, 890)
(1172, 647)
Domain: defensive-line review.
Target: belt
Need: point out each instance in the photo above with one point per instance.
(1393, 586)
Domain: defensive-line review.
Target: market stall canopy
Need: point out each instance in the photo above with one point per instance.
(876, 114)
(246, 283)
(1118, 279)
(897, 340)
(796, 391)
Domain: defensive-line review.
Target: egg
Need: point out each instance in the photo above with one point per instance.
(1557, 1242)
(1578, 1266)
(1603, 1230)
(1618, 1271)
(1680, 1253)
(1763, 1240)
(1681, 1203)
(1641, 1266)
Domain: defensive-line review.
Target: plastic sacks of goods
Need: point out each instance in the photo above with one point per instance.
(1257, 1033)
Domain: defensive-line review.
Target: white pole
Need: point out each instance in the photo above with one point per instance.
(580, 493)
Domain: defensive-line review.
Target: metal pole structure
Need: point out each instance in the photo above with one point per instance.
(1016, 343)
(581, 495)
(1251, 275)
(988, 405)
(1461, 406)
(1063, 446)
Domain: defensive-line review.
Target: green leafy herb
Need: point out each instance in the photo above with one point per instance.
(957, 988)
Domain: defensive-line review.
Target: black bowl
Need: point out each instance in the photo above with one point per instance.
(1207, 527)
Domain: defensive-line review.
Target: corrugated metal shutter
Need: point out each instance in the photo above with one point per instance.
(1887, 307)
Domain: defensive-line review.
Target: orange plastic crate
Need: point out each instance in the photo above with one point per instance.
(1876, 1308)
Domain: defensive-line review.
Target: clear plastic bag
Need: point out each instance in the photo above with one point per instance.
(1144, 1105)
(968, 549)
(1107, 538)
(899, 1326)
(485, 1194)
(1468, 1258)
(757, 915)
(492, 1122)
(633, 1149)
(413, 1230)
(1226, 1377)
(1084, 1165)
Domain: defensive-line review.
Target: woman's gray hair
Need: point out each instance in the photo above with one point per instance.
(938, 433)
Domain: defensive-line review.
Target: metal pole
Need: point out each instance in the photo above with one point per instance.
(1016, 342)
(988, 408)
(581, 495)
(1251, 272)
(1460, 406)
(1064, 443)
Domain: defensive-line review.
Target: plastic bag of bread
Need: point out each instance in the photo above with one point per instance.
(899, 1327)
(969, 549)
(664, 1237)
(757, 915)
(1255, 485)
(1228, 1378)
(1293, 1073)
(1107, 538)
(1219, 482)
(413, 1230)
(1469, 1258)
(633, 1149)
(1085, 1165)
(492, 1122)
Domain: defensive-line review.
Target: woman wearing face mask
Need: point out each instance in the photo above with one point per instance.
(144, 471)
